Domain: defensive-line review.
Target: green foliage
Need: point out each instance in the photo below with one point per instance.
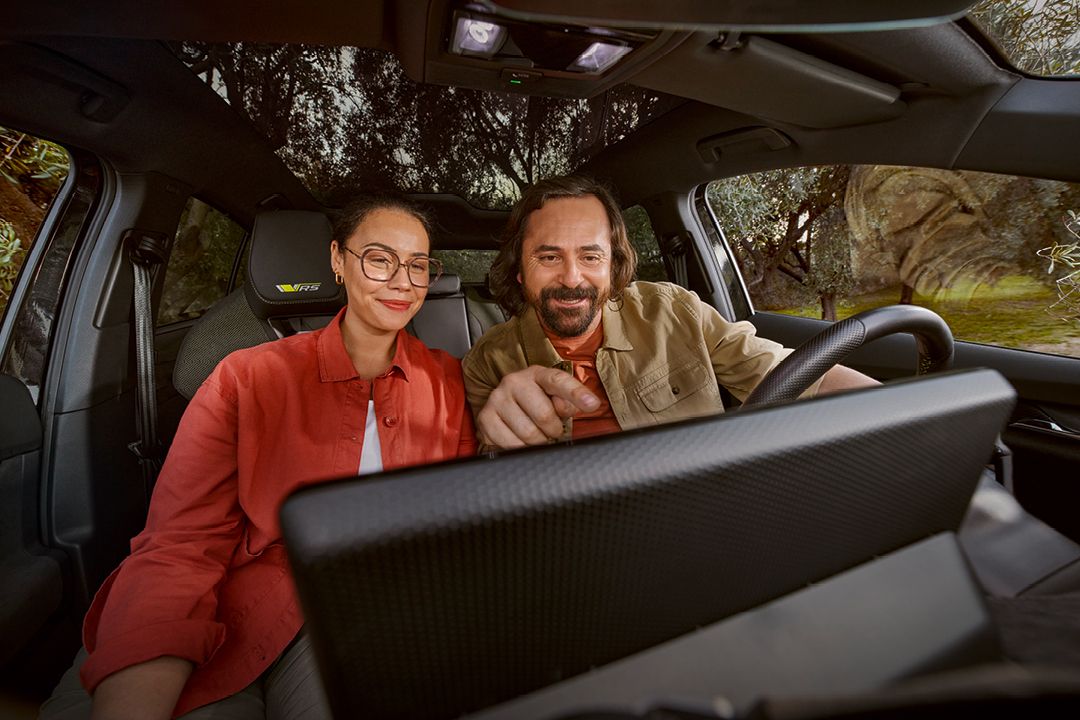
(200, 264)
(1067, 256)
(638, 228)
(12, 255)
(788, 232)
(471, 266)
(348, 119)
(37, 167)
(31, 171)
(1038, 36)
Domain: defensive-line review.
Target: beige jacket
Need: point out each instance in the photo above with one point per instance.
(664, 354)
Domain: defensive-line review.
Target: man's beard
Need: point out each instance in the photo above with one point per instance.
(564, 322)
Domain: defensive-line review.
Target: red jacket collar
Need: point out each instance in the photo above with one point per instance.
(335, 364)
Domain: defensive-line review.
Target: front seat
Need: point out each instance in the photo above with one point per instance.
(291, 289)
(290, 284)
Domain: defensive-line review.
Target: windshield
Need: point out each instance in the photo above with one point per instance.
(350, 118)
(1041, 37)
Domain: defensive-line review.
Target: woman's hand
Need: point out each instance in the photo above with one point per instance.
(148, 690)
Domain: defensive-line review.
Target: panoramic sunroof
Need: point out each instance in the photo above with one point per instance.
(348, 119)
(1041, 37)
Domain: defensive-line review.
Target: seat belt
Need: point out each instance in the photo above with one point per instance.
(146, 250)
(675, 252)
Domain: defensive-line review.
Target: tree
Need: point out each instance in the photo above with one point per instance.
(345, 119)
(790, 223)
(31, 171)
(928, 229)
(1038, 36)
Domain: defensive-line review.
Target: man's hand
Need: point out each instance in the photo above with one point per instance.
(528, 407)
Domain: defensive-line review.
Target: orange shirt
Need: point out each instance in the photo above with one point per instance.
(581, 352)
(207, 580)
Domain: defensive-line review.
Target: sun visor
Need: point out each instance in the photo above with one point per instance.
(289, 267)
(768, 80)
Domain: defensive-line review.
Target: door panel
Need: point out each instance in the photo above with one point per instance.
(32, 587)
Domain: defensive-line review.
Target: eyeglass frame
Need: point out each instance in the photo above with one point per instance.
(432, 262)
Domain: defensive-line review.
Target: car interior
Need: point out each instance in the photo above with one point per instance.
(731, 88)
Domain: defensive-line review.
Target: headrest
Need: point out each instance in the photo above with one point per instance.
(447, 284)
(289, 266)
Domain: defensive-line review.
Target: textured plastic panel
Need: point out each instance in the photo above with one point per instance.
(912, 612)
(444, 589)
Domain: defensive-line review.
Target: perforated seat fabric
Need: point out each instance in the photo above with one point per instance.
(289, 276)
(227, 326)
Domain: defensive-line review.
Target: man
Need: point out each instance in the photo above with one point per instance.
(589, 352)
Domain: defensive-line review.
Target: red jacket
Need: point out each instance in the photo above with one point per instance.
(207, 580)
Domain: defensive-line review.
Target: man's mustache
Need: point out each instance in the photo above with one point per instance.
(569, 294)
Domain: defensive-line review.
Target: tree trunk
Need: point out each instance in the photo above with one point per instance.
(907, 293)
(828, 306)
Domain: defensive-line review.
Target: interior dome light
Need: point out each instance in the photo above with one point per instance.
(477, 37)
(598, 57)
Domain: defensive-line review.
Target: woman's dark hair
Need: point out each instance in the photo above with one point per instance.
(346, 220)
(504, 271)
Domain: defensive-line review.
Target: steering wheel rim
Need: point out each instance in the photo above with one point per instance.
(799, 370)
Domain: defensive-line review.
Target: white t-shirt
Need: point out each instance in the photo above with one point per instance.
(371, 454)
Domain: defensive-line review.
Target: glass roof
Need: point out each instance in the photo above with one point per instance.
(348, 119)
(1040, 37)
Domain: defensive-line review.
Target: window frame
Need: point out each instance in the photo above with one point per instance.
(67, 219)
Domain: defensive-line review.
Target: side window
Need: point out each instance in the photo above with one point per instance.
(639, 228)
(202, 262)
(997, 256)
(31, 173)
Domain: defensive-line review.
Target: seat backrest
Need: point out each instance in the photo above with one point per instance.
(483, 311)
(442, 322)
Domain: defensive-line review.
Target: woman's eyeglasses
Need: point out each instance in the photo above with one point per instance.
(381, 265)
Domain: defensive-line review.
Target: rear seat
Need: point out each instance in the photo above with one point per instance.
(291, 289)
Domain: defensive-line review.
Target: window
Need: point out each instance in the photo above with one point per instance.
(343, 118)
(640, 230)
(471, 266)
(201, 265)
(1037, 36)
(31, 173)
(997, 256)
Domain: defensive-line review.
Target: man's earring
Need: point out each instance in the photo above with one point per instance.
(338, 279)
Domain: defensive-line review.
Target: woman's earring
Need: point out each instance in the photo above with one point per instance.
(338, 279)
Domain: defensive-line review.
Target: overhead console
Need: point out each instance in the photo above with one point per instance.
(478, 45)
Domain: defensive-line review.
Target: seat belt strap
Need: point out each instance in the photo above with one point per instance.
(146, 251)
(676, 249)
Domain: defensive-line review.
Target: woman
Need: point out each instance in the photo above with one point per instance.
(203, 613)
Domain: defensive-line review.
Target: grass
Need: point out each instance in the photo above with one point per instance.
(1011, 313)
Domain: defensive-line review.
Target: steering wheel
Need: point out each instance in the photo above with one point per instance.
(813, 358)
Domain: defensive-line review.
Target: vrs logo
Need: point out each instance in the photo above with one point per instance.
(299, 287)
